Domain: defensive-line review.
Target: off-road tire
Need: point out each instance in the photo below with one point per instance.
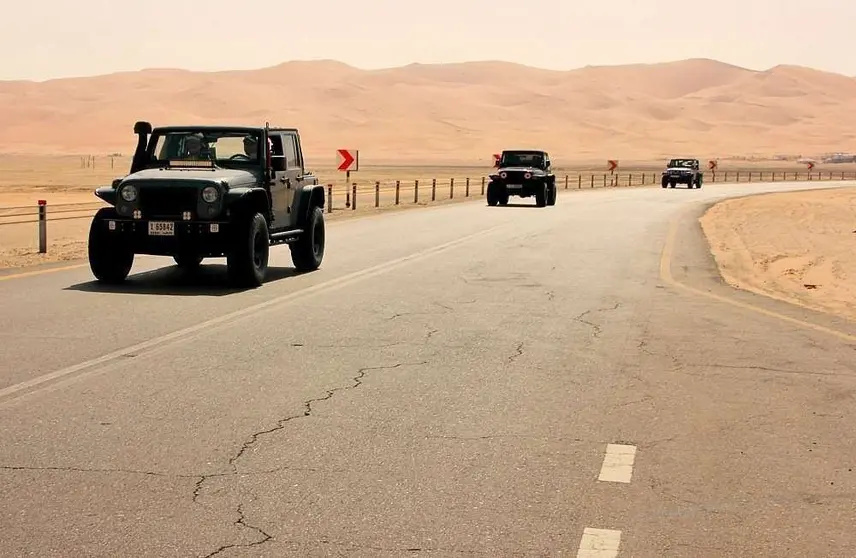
(492, 194)
(308, 252)
(551, 195)
(664, 181)
(541, 195)
(699, 181)
(109, 260)
(247, 259)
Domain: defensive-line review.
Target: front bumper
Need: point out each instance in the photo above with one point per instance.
(169, 237)
(520, 187)
(678, 177)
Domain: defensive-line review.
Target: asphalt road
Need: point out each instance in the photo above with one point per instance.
(455, 380)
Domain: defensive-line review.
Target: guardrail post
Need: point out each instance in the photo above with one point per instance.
(433, 189)
(416, 191)
(451, 188)
(592, 181)
(354, 195)
(377, 193)
(604, 180)
(630, 179)
(397, 191)
(43, 226)
(467, 189)
(482, 189)
(566, 182)
(329, 198)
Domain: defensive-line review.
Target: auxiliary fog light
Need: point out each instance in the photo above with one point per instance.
(215, 227)
(186, 216)
(138, 214)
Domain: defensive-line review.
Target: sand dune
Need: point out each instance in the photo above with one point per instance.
(455, 112)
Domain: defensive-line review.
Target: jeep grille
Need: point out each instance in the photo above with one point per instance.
(167, 201)
(515, 177)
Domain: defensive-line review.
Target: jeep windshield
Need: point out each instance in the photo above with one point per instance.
(522, 159)
(228, 148)
(685, 163)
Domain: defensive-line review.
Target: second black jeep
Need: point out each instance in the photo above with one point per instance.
(682, 171)
(523, 173)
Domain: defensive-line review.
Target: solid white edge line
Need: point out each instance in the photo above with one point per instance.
(617, 463)
(599, 543)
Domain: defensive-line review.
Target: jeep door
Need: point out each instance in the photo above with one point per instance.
(280, 202)
(294, 168)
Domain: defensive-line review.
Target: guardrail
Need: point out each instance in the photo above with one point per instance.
(391, 193)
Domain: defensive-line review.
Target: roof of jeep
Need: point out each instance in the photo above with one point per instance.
(214, 127)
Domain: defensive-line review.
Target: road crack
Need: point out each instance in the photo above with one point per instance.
(596, 329)
(253, 439)
(241, 522)
(518, 352)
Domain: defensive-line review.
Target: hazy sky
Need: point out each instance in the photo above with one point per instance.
(60, 38)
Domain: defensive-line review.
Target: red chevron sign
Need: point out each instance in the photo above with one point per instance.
(349, 159)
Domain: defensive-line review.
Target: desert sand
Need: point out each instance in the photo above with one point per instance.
(793, 246)
(455, 112)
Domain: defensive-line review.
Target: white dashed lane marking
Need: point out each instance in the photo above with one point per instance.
(599, 543)
(617, 463)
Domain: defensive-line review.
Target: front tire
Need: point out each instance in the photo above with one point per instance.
(492, 194)
(308, 252)
(541, 195)
(248, 259)
(109, 260)
(551, 195)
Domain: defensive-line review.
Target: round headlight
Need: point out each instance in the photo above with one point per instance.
(129, 193)
(503, 174)
(210, 194)
(527, 176)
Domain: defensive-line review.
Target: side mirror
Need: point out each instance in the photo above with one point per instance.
(277, 163)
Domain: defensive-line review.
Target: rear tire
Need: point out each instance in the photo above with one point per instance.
(247, 261)
(109, 260)
(308, 252)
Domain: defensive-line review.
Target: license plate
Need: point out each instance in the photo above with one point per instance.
(514, 186)
(161, 228)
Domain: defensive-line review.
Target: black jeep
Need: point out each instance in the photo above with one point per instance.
(197, 192)
(522, 173)
(682, 171)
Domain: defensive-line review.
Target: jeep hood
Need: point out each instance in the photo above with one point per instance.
(233, 178)
(683, 169)
(533, 170)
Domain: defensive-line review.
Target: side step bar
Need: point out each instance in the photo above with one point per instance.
(285, 236)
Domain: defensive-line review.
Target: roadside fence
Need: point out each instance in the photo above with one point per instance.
(378, 194)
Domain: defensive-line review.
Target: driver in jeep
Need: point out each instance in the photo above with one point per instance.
(251, 147)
